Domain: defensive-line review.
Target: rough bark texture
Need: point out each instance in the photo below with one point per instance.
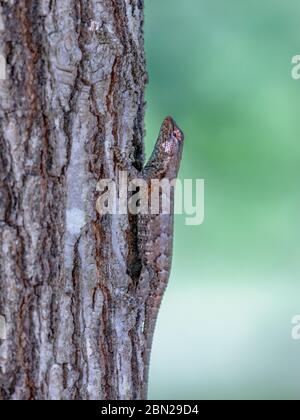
(74, 91)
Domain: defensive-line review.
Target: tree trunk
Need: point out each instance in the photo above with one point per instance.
(74, 91)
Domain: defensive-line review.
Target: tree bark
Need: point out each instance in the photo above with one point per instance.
(74, 92)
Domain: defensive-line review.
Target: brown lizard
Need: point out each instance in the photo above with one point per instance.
(155, 232)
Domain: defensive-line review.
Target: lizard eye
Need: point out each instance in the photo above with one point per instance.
(177, 135)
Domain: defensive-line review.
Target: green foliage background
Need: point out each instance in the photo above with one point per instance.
(222, 69)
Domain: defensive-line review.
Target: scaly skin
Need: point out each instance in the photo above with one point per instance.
(155, 232)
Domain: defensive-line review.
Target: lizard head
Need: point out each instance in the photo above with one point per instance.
(166, 156)
(170, 144)
(171, 138)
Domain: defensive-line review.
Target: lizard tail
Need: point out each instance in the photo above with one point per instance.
(151, 315)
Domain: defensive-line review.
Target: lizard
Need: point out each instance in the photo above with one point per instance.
(155, 232)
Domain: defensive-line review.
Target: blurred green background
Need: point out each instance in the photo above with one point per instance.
(222, 69)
